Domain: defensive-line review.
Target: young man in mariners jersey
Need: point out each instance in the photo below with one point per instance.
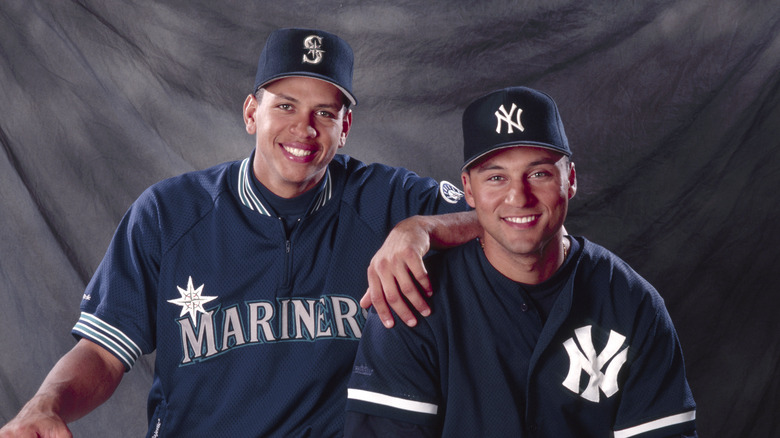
(245, 278)
(533, 333)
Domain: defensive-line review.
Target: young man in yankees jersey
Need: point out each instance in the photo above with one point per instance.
(567, 340)
(245, 278)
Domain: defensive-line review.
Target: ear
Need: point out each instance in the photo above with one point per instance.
(572, 181)
(250, 110)
(465, 178)
(346, 125)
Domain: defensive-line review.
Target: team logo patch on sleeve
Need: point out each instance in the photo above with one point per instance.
(450, 192)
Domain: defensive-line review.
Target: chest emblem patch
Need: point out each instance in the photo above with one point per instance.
(602, 369)
(191, 300)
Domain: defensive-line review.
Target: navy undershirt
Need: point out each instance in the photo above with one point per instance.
(288, 210)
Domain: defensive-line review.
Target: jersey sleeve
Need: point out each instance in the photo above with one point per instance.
(361, 425)
(656, 400)
(117, 306)
(385, 195)
(395, 375)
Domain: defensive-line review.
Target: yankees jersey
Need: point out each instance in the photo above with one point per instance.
(255, 330)
(607, 361)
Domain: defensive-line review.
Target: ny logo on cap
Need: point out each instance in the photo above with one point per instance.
(314, 44)
(503, 116)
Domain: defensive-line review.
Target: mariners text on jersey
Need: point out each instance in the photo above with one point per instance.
(219, 330)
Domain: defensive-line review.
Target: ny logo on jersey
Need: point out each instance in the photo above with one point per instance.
(584, 358)
(314, 44)
(506, 117)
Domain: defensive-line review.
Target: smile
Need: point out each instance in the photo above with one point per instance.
(297, 152)
(521, 220)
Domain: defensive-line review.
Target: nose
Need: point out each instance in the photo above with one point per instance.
(303, 126)
(518, 194)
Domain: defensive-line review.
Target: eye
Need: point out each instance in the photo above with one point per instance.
(496, 178)
(539, 174)
(284, 106)
(326, 114)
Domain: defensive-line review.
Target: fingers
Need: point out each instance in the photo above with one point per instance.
(398, 290)
(34, 426)
(376, 296)
(415, 286)
(397, 278)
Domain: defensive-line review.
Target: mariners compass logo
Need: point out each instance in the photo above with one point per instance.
(192, 300)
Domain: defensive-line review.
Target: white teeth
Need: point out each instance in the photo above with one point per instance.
(521, 220)
(298, 152)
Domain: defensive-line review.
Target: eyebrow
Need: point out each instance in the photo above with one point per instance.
(335, 106)
(551, 161)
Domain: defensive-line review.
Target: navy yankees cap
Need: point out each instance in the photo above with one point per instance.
(515, 116)
(306, 52)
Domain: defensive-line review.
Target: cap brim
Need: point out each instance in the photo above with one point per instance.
(527, 144)
(304, 74)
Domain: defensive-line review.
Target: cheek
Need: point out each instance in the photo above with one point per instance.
(488, 200)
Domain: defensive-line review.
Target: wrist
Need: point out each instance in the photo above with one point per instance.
(43, 403)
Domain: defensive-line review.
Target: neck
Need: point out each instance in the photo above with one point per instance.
(284, 188)
(528, 268)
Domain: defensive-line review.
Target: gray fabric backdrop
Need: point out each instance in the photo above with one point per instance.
(671, 107)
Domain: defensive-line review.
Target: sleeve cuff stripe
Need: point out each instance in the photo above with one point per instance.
(109, 330)
(394, 402)
(106, 343)
(655, 425)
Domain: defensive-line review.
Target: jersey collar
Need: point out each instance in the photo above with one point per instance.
(251, 200)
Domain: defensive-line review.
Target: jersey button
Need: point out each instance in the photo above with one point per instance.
(524, 307)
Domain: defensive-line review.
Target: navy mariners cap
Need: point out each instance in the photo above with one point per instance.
(306, 52)
(515, 116)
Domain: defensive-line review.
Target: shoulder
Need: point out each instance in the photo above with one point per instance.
(200, 186)
(458, 260)
(182, 199)
(363, 172)
(457, 271)
(380, 181)
(208, 182)
(594, 259)
(605, 274)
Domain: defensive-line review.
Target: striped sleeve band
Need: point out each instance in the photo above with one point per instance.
(109, 337)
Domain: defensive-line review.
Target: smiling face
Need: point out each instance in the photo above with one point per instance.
(521, 196)
(299, 124)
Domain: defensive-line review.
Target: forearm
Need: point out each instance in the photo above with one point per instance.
(448, 230)
(83, 379)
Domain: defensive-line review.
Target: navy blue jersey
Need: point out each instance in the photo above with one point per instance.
(606, 361)
(255, 330)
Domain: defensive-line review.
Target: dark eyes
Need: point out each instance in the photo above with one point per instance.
(325, 114)
(320, 113)
(533, 175)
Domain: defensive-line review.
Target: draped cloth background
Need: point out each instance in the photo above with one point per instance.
(672, 108)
